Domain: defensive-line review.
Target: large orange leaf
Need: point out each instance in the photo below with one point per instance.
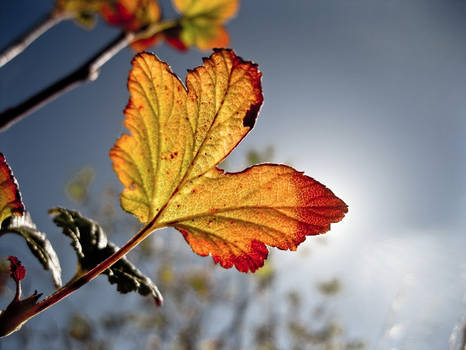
(168, 164)
(10, 198)
(202, 21)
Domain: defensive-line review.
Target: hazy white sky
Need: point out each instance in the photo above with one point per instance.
(367, 96)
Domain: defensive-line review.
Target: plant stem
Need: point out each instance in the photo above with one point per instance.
(89, 276)
(89, 71)
(463, 338)
(18, 291)
(19, 45)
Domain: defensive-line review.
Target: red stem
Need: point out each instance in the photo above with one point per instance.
(90, 275)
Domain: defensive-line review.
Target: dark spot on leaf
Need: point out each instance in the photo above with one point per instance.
(251, 115)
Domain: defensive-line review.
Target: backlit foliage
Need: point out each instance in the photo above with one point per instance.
(201, 22)
(179, 136)
(10, 198)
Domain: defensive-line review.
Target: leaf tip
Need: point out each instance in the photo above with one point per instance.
(158, 301)
(255, 260)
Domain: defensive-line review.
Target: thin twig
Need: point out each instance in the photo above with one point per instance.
(89, 71)
(19, 45)
(463, 337)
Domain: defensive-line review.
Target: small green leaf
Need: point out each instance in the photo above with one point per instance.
(37, 242)
(202, 22)
(330, 287)
(90, 242)
(77, 189)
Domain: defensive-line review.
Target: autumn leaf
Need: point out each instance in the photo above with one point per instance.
(172, 37)
(130, 15)
(168, 164)
(200, 24)
(14, 219)
(133, 16)
(234, 216)
(10, 198)
(202, 21)
(142, 44)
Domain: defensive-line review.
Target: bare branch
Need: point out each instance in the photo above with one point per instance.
(89, 71)
(19, 45)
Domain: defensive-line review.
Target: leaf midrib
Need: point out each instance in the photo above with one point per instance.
(190, 167)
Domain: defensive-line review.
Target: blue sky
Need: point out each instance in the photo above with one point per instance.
(366, 96)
